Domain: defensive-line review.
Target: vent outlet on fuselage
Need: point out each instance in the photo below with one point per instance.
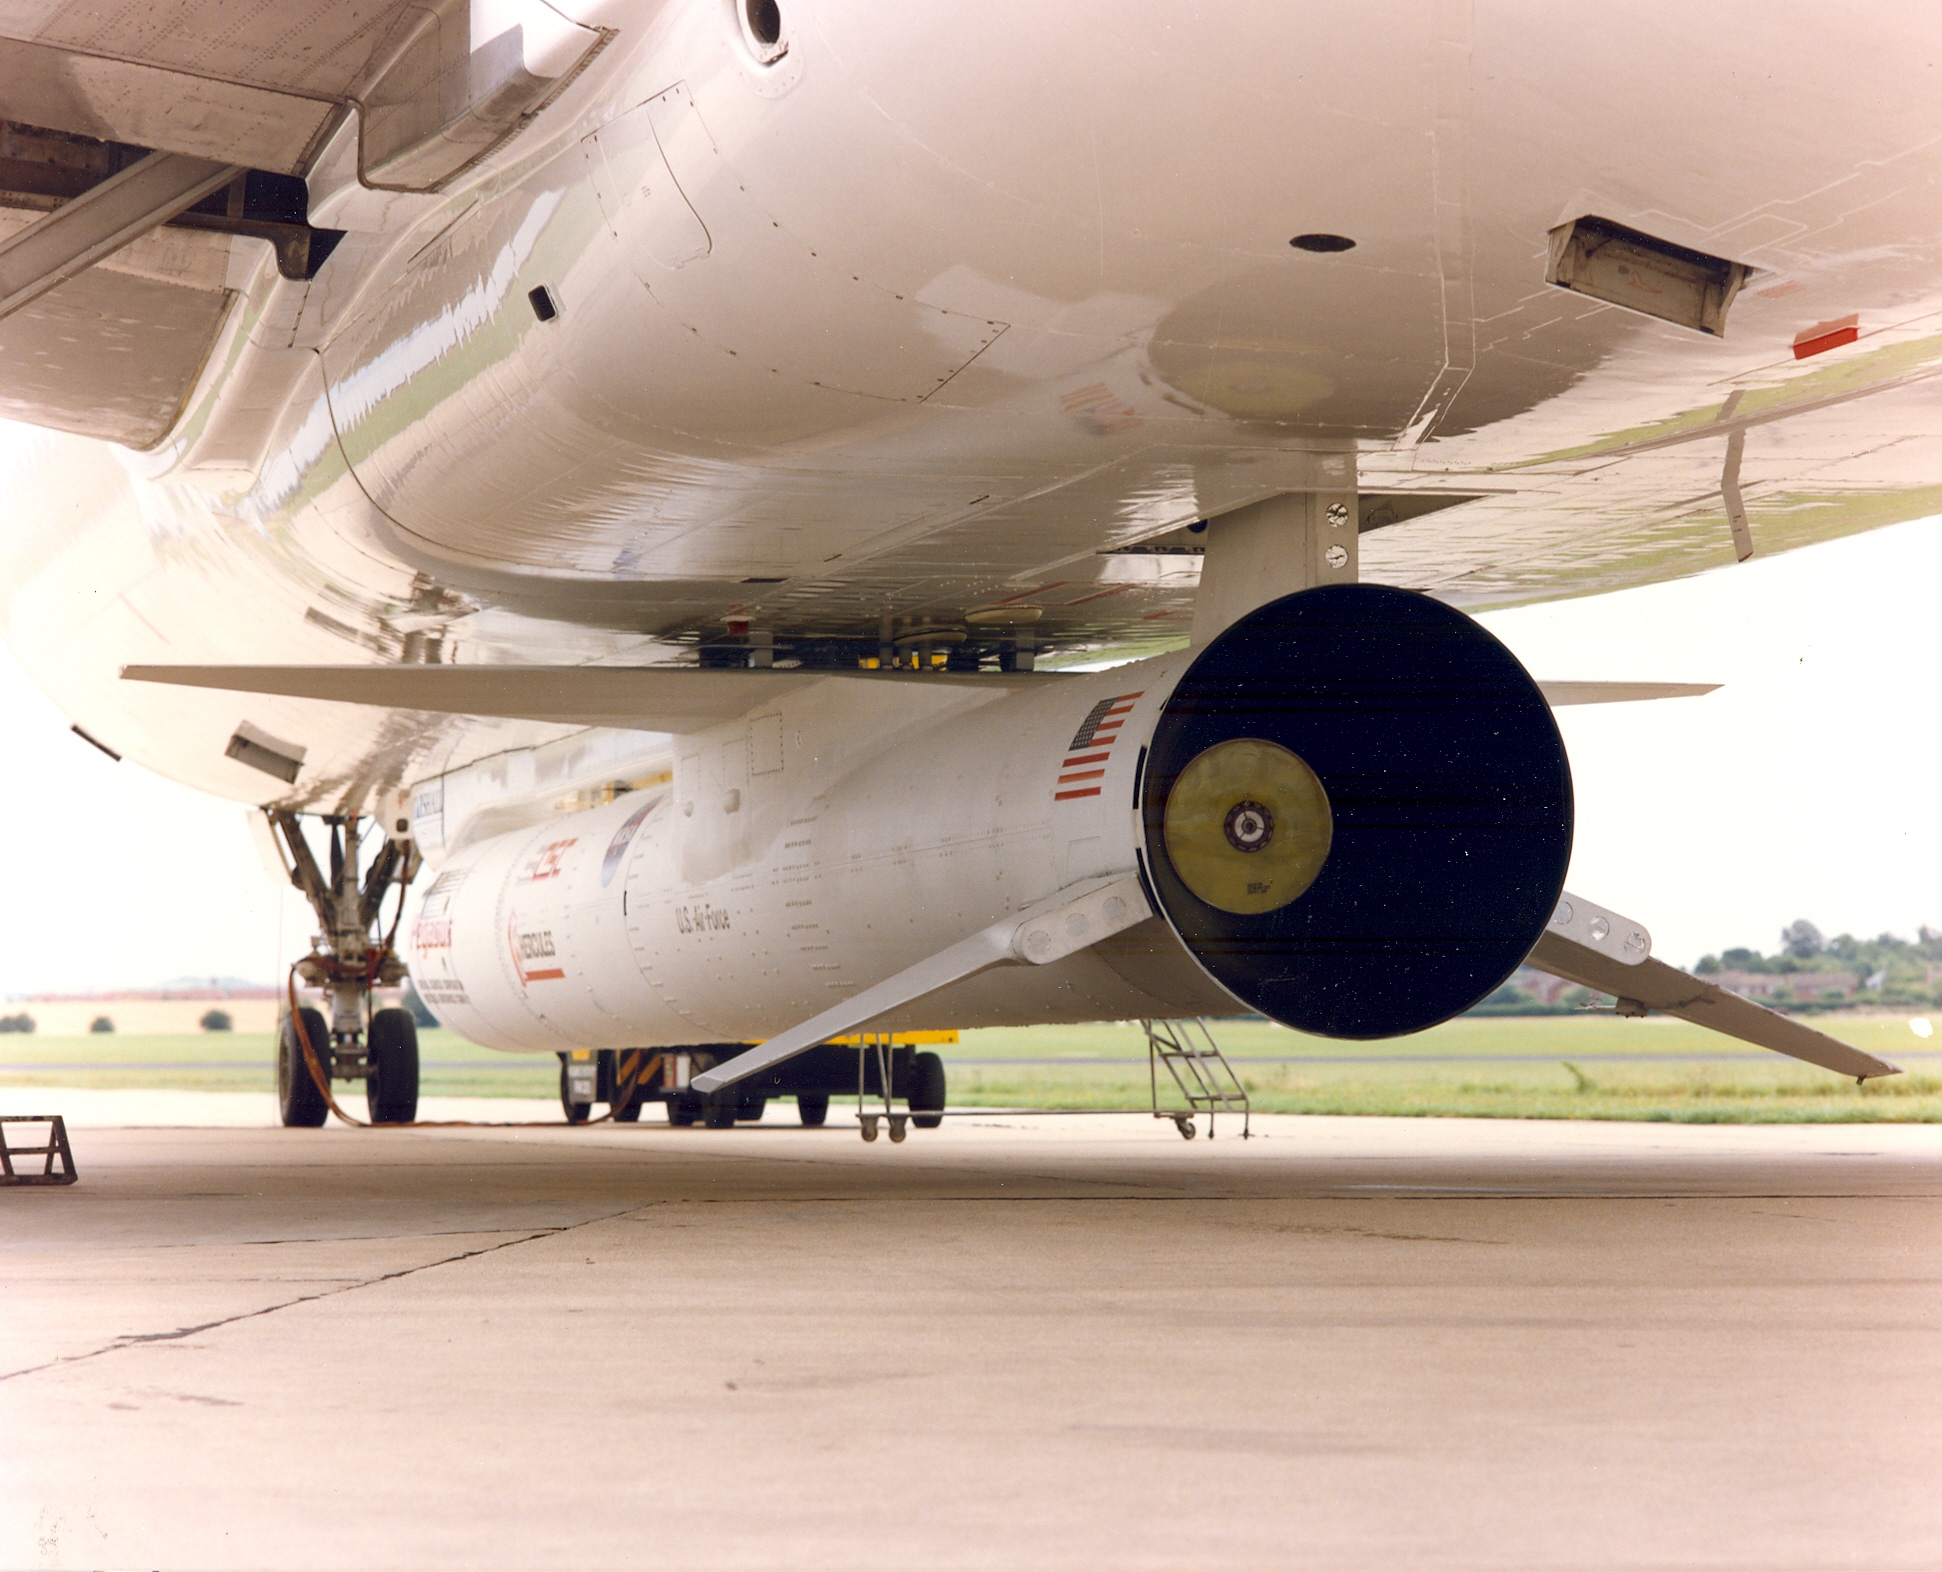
(1658, 278)
(762, 26)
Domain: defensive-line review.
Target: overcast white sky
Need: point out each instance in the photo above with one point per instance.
(1806, 788)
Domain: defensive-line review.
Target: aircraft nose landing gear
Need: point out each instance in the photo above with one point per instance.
(347, 961)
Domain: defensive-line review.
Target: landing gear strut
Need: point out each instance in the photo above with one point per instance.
(347, 960)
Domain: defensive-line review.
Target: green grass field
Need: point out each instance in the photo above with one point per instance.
(449, 1066)
(1546, 1067)
(1549, 1067)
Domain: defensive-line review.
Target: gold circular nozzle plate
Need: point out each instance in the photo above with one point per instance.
(1222, 855)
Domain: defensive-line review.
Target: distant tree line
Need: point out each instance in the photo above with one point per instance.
(1512, 999)
(1889, 971)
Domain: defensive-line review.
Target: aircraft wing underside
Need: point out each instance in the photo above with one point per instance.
(263, 86)
(512, 333)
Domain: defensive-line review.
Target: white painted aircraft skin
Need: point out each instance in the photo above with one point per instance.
(1116, 187)
(929, 317)
(800, 855)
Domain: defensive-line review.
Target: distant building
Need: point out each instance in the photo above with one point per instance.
(1541, 986)
(1798, 985)
(171, 1010)
(186, 990)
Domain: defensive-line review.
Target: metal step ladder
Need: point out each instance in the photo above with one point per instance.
(1200, 1073)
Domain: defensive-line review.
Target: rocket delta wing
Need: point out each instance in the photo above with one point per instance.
(652, 698)
(1598, 949)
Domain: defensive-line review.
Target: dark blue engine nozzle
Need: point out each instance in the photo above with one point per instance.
(1450, 796)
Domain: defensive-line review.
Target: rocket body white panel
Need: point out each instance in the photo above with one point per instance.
(803, 854)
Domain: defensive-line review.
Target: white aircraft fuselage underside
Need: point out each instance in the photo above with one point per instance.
(923, 320)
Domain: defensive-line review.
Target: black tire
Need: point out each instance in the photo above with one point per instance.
(749, 1110)
(718, 1110)
(926, 1094)
(812, 1108)
(298, 1101)
(391, 1093)
(684, 1108)
(576, 1113)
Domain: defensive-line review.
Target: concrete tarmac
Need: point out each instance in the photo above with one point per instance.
(1009, 1343)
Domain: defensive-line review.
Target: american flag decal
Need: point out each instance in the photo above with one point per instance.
(1091, 746)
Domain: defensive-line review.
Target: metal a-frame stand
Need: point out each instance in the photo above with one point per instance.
(56, 1147)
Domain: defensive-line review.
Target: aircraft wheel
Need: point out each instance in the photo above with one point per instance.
(749, 1110)
(718, 1112)
(576, 1113)
(683, 1109)
(926, 1098)
(298, 1101)
(812, 1108)
(391, 1093)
